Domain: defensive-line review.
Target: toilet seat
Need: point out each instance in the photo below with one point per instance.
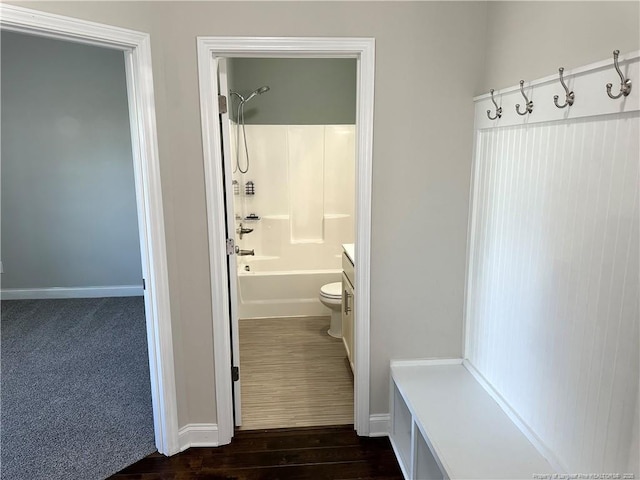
(332, 291)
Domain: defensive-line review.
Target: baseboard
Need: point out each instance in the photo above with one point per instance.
(198, 435)
(379, 425)
(63, 292)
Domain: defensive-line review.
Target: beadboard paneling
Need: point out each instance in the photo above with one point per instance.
(552, 305)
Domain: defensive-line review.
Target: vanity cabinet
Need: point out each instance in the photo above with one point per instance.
(348, 307)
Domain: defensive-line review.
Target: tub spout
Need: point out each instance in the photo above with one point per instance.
(242, 253)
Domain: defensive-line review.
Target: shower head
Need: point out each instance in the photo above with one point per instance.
(257, 91)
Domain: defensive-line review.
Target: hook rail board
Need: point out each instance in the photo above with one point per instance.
(588, 83)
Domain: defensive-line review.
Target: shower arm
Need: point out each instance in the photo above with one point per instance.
(242, 100)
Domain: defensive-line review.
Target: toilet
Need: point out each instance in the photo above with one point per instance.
(331, 296)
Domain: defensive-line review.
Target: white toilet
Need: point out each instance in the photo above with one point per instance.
(331, 296)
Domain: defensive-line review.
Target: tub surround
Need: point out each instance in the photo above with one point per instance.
(303, 192)
(275, 252)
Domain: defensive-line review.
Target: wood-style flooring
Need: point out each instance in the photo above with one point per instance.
(315, 453)
(293, 374)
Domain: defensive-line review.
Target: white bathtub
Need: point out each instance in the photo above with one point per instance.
(283, 293)
(285, 277)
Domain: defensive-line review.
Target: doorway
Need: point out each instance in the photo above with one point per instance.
(290, 210)
(211, 51)
(135, 47)
(73, 320)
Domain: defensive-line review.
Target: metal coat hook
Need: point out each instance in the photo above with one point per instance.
(569, 95)
(498, 109)
(625, 84)
(529, 103)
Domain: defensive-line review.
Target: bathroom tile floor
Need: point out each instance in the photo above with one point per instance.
(293, 374)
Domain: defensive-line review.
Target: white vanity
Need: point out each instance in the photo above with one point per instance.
(348, 300)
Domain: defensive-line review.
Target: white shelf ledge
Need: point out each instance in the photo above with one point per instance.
(458, 428)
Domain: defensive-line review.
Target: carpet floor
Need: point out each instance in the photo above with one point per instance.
(76, 394)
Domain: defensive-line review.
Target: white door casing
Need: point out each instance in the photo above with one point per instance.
(232, 264)
(137, 53)
(210, 52)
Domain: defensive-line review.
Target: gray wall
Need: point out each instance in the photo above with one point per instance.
(303, 91)
(423, 135)
(529, 40)
(423, 131)
(68, 196)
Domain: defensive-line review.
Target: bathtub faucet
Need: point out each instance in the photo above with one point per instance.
(242, 253)
(243, 231)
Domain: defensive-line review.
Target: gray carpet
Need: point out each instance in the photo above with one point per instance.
(76, 396)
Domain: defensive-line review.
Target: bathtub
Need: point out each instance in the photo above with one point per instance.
(284, 277)
(291, 293)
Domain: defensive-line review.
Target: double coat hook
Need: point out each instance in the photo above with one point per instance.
(625, 83)
(529, 103)
(498, 109)
(570, 96)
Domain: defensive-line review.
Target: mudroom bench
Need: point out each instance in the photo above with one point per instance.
(446, 425)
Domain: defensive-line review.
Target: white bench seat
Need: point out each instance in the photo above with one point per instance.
(455, 429)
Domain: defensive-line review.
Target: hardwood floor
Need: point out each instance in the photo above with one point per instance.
(313, 453)
(293, 374)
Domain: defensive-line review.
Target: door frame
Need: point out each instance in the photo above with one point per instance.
(232, 262)
(210, 49)
(136, 47)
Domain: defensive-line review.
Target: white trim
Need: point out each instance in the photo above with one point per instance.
(209, 50)
(198, 435)
(426, 362)
(545, 451)
(214, 178)
(137, 51)
(471, 226)
(77, 292)
(379, 424)
(50, 25)
(364, 171)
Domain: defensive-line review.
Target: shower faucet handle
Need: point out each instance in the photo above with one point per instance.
(242, 253)
(243, 231)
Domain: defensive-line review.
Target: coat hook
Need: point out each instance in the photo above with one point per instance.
(498, 109)
(569, 95)
(529, 108)
(625, 84)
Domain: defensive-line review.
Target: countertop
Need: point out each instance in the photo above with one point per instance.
(350, 250)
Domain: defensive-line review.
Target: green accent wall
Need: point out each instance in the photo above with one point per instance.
(303, 91)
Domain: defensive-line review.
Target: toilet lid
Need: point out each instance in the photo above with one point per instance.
(332, 290)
